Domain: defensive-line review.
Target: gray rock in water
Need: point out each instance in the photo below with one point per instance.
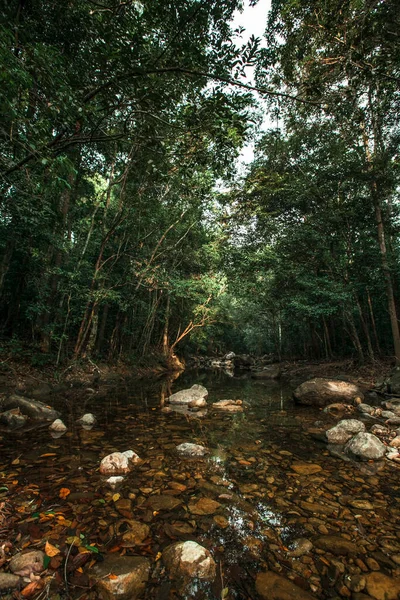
(119, 463)
(321, 392)
(365, 408)
(131, 575)
(196, 392)
(388, 414)
(344, 430)
(300, 547)
(393, 383)
(32, 408)
(115, 481)
(198, 403)
(191, 450)
(337, 545)
(9, 582)
(58, 426)
(87, 421)
(229, 405)
(365, 446)
(270, 372)
(25, 563)
(13, 418)
(186, 561)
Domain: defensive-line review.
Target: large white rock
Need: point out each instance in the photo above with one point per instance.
(344, 430)
(196, 392)
(365, 446)
(191, 450)
(321, 392)
(119, 463)
(188, 560)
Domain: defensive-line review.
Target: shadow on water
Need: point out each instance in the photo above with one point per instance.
(261, 503)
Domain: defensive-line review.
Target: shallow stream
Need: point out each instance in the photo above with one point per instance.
(273, 482)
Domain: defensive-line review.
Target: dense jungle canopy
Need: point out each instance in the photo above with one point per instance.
(126, 227)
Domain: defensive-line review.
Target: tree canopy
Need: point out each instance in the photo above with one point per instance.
(121, 125)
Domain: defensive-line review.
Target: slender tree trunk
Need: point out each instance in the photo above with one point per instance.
(5, 263)
(165, 342)
(372, 317)
(102, 328)
(364, 326)
(354, 337)
(382, 248)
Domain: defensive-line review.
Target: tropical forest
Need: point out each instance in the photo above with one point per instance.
(199, 299)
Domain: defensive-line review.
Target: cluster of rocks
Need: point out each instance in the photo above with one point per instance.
(19, 412)
(264, 367)
(185, 562)
(24, 567)
(194, 399)
(341, 398)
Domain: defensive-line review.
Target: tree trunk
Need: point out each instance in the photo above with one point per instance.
(371, 314)
(365, 330)
(354, 337)
(382, 248)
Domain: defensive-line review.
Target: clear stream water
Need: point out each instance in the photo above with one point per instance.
(265, 505)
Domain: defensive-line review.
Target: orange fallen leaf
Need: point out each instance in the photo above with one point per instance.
(112, 576)
(51, 550)
(48, 454)
(64, 492)
(32, 588)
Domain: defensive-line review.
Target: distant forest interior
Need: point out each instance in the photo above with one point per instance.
(129, 225)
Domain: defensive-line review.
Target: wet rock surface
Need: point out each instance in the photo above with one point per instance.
(186, 561)
(121, 577)
(34, 409)
(196, 393)
(365, 446)
(321, 392)
(272, 586)
(119, 463)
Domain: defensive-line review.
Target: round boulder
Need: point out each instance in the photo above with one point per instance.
(321, 392)
(196, 392)
(188, 560)
(191, 450)
(119, 463)
(365, 446)
(344, 430)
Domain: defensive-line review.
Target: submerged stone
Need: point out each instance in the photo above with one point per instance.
(344, 431)
(25, 563)
(321, 392)
(129, 577)
(306, 468)
(32, 408)
(9, 582)
(336, 545)
(191, 450)
(119, 463)
(365, 446)
(382, 587)
(189, 560)
(196, 392)
(272, 586)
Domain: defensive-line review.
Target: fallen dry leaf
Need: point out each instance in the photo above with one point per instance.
(51, 550)
(64, 492)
